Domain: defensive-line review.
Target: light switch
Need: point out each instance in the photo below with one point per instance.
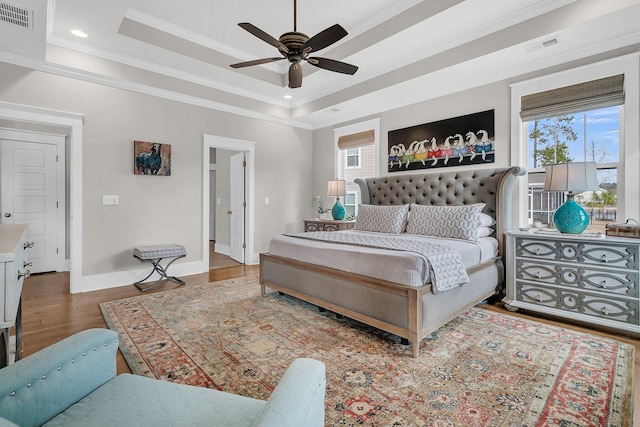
(110, 199)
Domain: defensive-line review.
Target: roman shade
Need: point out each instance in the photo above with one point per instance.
(600, 93)
(354, 140)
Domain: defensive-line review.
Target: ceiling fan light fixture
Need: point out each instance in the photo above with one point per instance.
(296, 46)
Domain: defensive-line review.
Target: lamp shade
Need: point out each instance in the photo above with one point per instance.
(336, 188)
(575, 177)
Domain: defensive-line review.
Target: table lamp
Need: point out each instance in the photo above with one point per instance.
(337, 188)
(574, 177)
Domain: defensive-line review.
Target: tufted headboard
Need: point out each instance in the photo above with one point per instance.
(491, 186)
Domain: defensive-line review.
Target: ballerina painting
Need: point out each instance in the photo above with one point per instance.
(441, 143)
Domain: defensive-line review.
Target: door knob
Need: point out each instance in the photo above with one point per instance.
(7, 215)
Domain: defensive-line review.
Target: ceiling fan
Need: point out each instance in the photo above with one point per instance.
(296, 47)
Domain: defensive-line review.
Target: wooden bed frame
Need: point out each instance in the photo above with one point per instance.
(409, 312)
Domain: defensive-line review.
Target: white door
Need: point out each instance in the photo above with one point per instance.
(29, 196)
(237, 207)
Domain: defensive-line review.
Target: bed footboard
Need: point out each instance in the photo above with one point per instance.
(405, 311)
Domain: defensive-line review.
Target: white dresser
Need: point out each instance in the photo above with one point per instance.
(589, 279)
(14, 268)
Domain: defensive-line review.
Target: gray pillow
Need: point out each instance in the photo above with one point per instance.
(456, 222)
(382, 219)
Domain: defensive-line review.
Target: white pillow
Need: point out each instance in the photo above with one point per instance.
(486, 220)
(484, 231)
(382, 219)
(456, 222)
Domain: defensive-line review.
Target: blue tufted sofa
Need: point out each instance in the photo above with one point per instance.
(74, 383)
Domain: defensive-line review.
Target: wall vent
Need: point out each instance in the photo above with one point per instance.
(541, 45)
(16, 15)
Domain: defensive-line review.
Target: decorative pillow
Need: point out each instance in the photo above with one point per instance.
(486, 220)
(456, 222)
(484, 231)
(382, 219)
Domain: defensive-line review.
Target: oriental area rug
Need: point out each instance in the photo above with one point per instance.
(481, 369)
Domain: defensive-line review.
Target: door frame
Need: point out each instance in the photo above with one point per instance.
(235, 254)
(59, 141)
(71, 125)
(215, 141)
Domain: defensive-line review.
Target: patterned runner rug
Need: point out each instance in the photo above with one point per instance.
(481, 369)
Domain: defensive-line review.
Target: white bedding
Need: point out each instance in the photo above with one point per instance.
(395, 266)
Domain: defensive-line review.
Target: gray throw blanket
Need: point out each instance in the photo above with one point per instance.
(445, 265)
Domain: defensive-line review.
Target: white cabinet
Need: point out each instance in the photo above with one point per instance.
(14, 268)
(589, 279)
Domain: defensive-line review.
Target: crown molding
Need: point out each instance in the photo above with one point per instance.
(74, 73)
(488, 78)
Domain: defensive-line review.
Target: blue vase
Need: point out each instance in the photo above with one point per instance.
(571, 218)
(338, 211)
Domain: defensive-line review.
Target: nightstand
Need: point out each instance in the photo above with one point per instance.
(589, 279)
(327, 225)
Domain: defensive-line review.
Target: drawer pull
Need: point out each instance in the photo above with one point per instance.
(24, 274)
(604, 258)
(538, 276)
(27, 264)
(605, 311)
(539, 298)
(537, 251)
(603, 284)
(28, 245)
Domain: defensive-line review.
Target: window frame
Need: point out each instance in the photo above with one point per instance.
(628, 177)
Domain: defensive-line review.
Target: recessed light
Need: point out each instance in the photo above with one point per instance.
(288, 97)
(79, 33)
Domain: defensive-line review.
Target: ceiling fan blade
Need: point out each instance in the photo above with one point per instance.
(324, 38)
(263, 36)
(333, 65)
(256, 62)
(295, 75)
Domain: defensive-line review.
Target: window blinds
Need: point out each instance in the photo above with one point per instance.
(600, 93)
(354, 140)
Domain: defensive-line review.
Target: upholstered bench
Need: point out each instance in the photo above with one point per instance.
(154, 254)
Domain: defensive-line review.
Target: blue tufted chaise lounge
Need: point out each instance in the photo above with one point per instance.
(74, 383)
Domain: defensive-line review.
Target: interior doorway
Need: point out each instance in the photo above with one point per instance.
(217, 243)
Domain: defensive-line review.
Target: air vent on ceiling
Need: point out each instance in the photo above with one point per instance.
(542, 44)
(16, 15)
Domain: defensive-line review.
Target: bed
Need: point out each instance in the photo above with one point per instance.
(392, 299)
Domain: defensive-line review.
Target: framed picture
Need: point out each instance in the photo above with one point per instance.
(151, 158)
(459, 141)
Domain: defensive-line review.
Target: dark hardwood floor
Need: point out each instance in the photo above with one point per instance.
(51, 313)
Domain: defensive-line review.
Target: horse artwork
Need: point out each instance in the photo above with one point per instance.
(459, 141)
(151, 158)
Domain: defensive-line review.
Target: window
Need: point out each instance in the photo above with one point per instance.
(351, 203)
(592, 136)
(353, 157)
(583, 114)
(356, 157)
